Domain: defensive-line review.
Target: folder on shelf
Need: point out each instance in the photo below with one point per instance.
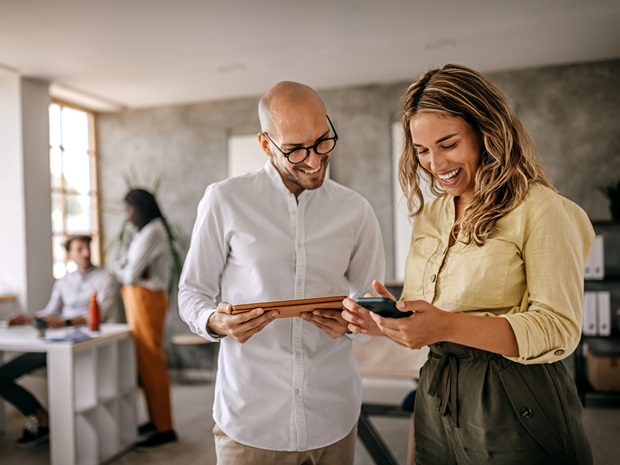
(590, 314)
(603, 306)
(595, 264)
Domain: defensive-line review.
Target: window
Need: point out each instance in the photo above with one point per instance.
(73, 166)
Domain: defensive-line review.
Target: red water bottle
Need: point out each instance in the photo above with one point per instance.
(93, 319)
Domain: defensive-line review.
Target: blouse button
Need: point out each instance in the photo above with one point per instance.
(526, 412)
(558, 352)
(433, 278)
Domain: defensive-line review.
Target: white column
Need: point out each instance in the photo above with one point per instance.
(25, 201)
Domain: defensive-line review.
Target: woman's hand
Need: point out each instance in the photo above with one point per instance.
(427, 325)
(358, 317)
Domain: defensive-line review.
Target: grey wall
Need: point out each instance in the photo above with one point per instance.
(573, 113)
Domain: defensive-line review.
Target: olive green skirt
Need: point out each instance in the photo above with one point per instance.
(475, 407)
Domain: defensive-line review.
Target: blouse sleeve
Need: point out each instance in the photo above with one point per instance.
(548, 327)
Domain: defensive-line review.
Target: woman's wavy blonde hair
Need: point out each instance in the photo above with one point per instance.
(508, 163)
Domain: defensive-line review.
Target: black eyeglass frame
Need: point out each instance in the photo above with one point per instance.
(309, 148)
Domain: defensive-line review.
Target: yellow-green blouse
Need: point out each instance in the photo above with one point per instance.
(529, 271)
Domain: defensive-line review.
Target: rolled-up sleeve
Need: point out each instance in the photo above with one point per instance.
(548, 326)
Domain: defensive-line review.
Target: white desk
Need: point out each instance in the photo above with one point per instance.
(91, 392)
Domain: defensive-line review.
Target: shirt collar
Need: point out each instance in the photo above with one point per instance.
(88, 270)
(275, 176)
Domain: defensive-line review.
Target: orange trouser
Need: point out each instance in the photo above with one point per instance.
(146, 314)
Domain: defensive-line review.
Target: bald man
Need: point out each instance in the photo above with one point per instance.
(288, 390)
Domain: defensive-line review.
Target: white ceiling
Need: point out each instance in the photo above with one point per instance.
(143, 53)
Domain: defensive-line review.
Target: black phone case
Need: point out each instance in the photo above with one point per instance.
(382, 306)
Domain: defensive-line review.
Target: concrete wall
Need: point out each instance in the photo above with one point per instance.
(573, 113)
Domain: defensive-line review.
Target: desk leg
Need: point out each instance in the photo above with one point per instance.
(371, 439)
(61, 397)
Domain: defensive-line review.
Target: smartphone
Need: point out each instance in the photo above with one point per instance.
(382, 306)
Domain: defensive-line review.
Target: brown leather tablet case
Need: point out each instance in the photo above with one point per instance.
(288, 308)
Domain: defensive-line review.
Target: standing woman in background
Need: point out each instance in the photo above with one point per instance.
(144, 271)
(494, 278)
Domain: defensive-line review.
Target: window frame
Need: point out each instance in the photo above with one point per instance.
(93, 155)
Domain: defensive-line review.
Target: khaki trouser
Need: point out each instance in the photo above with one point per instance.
(474, 407)
(230, 452)
(146, 314)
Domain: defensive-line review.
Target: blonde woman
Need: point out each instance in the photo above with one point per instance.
(494, 277)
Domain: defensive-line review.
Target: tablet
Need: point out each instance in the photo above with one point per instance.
(289, 308)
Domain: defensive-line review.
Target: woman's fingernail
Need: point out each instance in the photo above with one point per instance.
(400, 304)
(360, 321)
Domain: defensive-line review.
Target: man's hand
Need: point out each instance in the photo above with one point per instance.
(330, 321)
(53, 322)
(240, 327)
(19, 319)
(359, 318)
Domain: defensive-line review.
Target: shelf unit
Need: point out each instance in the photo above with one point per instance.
(105, 398)
(610, 230)
(91, 387)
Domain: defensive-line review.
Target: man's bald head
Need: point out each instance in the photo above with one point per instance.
(285, 95)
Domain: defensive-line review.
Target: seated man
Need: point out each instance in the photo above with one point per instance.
(68, 306)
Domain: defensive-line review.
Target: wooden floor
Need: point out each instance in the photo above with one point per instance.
(192, 411)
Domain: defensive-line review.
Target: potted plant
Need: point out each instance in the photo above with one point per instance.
(612, 192)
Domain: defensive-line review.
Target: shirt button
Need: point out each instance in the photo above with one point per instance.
(433, 278)
(298, 354)
(296, 392)
(558, 352)
(526, 412)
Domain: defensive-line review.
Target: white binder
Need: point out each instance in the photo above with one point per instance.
(590, 314)
(603, 306)
(595, 264)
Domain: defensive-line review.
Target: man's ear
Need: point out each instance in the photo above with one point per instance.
(264, 144)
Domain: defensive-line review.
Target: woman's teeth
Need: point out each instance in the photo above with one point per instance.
(449, 176)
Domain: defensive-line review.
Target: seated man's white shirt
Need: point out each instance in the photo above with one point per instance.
(71, 294)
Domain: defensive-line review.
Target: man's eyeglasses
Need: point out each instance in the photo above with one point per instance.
(322, 147)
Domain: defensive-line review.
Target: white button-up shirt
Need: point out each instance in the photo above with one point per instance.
(289, 387)
(71, 294)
